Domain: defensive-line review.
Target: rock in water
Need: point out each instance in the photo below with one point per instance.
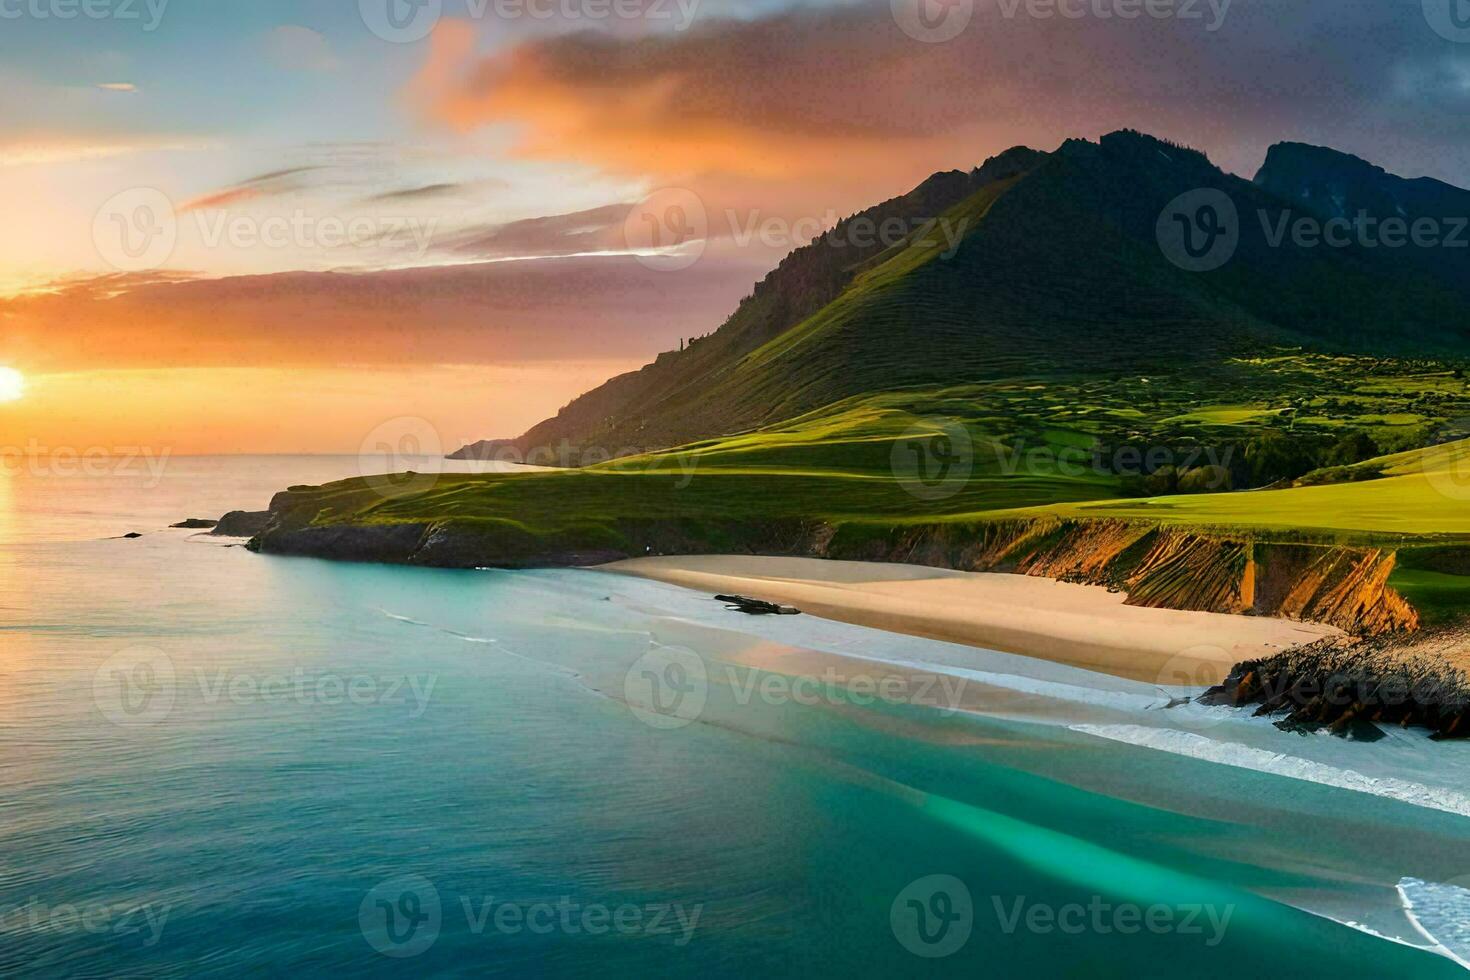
(195, 524)
(242, 524)
(757, 607)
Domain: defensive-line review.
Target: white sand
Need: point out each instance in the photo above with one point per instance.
(1082, 625)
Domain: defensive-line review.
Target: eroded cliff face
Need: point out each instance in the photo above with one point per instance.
(1157, 567)
(1166, 568)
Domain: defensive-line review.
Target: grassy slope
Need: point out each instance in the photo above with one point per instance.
(928, 339)
(1422, 494)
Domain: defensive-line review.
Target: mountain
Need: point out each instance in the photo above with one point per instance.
(1336, 185)
(1059, 270)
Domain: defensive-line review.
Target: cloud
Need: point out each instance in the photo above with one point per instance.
(841, 107)
(440, 190)
(492, 313)
(419, 193)
(53, 148)
(301, 49)
(117, 86)
(579, 233)
(271, 184)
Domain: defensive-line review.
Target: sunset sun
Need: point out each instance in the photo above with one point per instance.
(12, 384)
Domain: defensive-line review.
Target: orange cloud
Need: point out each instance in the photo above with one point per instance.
(498, 313)
(839, 108)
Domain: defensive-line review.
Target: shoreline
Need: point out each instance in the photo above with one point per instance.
(1084, 626)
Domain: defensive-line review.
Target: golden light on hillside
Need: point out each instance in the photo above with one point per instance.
(12, 385)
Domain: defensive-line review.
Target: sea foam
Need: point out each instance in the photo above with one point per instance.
(1442, 914)
(1260, 760)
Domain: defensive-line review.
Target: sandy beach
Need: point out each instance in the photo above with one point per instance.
(1081, 625)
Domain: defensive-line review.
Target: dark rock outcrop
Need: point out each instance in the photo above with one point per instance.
(242, 524)
(1350, 687)
(195, 524)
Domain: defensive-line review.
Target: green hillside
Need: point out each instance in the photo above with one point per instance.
(1059, 272)
(1053, 370)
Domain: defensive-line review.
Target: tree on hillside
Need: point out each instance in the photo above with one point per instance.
(1352, 448)
(1273, 456)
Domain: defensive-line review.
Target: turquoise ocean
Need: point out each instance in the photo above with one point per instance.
(214, 763)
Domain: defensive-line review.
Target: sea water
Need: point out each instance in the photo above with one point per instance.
(215, 763)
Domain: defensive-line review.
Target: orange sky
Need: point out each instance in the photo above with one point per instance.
(198, 411)
(513, 149)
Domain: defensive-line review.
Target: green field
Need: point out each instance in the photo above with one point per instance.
(977, 452)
